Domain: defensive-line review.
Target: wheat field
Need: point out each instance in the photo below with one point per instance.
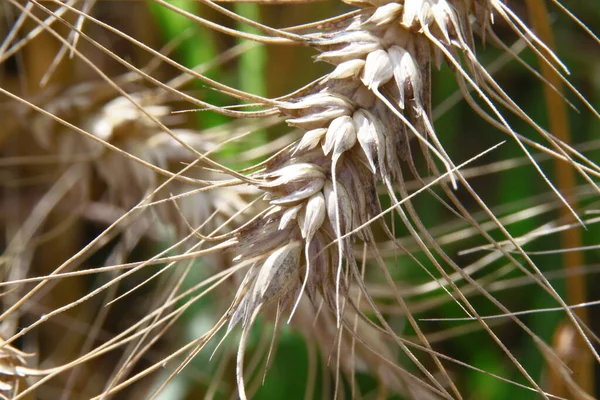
(289, 199)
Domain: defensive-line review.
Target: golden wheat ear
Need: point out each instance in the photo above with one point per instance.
(373, 103)
(330, 227)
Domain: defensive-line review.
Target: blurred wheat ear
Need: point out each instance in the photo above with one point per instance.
(159, 254)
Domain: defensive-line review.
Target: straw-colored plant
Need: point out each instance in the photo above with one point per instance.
(320, 232)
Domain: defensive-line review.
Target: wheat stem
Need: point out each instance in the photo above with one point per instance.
(581, 361)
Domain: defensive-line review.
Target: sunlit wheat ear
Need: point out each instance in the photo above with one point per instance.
(320, 195)
(358, 122)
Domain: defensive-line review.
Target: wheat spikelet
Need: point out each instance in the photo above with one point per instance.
(303, 232)
(355, 112)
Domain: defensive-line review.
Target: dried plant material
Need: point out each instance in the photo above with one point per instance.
(12, 371)
(325, 230)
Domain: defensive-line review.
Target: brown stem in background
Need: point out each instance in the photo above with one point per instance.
(567, 344)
